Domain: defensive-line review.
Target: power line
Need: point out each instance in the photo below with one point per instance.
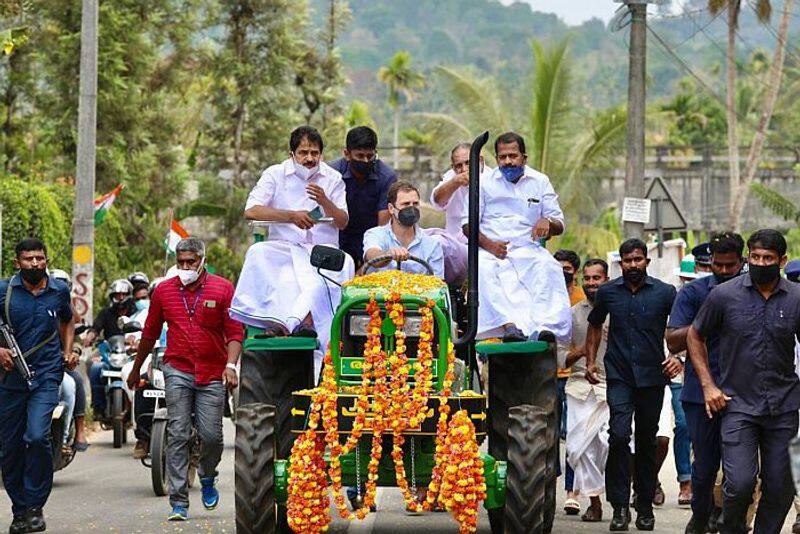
(771, 29)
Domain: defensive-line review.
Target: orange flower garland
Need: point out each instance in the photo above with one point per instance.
(463, 486)
(396, 407)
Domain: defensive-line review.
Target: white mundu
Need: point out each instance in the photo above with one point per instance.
(527, 287)
(277, 282)
(587, 412)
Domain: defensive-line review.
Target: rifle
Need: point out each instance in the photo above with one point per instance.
(16, 354)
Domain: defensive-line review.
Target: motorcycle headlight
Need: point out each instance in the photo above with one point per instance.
(158, 380)
(117, 360)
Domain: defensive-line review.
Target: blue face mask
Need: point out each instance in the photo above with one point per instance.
(512, 173)
(142, 305)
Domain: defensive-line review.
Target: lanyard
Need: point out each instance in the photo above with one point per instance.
(191, 311)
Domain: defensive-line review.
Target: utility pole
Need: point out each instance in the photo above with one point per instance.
(634, 167)
(83, 222)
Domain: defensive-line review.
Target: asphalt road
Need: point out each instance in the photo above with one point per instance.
(105, 490)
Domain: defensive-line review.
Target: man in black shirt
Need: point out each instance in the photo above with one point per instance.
(636, 373)
(121, 303)
(757, 319)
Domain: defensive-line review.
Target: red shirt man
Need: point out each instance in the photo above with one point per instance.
(199, 328)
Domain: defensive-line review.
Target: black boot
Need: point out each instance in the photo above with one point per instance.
(19, 525)
(796, 526)
(620, 520)
(35, 519)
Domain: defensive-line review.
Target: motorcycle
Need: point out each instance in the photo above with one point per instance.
(63, 452)
(116, 354)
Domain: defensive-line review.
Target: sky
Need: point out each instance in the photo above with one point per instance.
(574, 11)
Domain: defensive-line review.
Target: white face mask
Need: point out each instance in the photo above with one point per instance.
(189, 276)
(304, 172)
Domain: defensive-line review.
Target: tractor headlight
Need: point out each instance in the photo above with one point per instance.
(358, 325)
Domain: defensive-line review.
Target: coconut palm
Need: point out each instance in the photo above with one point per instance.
(401, 81)
(739, 187)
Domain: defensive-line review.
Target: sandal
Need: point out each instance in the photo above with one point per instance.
(592, 515)
(572, 507)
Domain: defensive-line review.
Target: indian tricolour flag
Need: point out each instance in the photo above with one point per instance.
(104, 203)
(176, 233)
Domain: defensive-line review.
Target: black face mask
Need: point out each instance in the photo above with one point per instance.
(32, 276)
(634, 276)
(569, 277)
(362, 168)
(121, 304)
(721, 279)
(764, 274)
(408, 216)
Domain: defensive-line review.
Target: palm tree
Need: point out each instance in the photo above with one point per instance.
(763, 9)
(401, 81)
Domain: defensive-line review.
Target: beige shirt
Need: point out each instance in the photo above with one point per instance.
(577, 385)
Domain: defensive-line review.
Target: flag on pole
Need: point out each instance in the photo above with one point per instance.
(176, 233)
(104, 203)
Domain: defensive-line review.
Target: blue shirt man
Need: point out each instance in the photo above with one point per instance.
(37, 307)
(367, 181)
(725, 262)
(402, 237)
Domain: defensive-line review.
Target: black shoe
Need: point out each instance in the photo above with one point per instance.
(512, 334)
(304, 330)
(547, 336)
(645, 521)
(714, 521)
(694, 526)
(796, 526)
(620, 520)
(19, 525)
(34, 518)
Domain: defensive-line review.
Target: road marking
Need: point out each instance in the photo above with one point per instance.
(365, 526)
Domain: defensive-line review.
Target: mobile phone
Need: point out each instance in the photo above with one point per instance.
(316, 213)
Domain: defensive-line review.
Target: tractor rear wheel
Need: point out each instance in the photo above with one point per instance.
(255, 469)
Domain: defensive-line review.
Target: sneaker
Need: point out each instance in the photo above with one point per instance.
(179, 513)
(140, 450)
(210, 493)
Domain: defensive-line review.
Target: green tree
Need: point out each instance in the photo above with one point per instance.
(401, 82)
(697, 118)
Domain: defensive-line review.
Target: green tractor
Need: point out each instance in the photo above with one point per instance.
(519, 418)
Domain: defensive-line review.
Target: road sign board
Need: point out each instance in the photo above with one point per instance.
(664, 211)
(636, 210)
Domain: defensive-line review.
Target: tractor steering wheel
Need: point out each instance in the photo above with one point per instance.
(371, 263)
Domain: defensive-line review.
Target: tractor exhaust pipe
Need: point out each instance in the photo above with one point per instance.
(472, 247)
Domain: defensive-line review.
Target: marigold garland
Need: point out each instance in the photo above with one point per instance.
(396, 407)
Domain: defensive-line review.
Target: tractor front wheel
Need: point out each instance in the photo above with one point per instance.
(256, 511)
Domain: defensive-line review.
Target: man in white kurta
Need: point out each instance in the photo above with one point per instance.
(278, 288)
(521, 286)
(587, 410)
(450, 196)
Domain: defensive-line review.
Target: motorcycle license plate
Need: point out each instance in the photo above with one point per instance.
(112, 374)
(154, 393)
